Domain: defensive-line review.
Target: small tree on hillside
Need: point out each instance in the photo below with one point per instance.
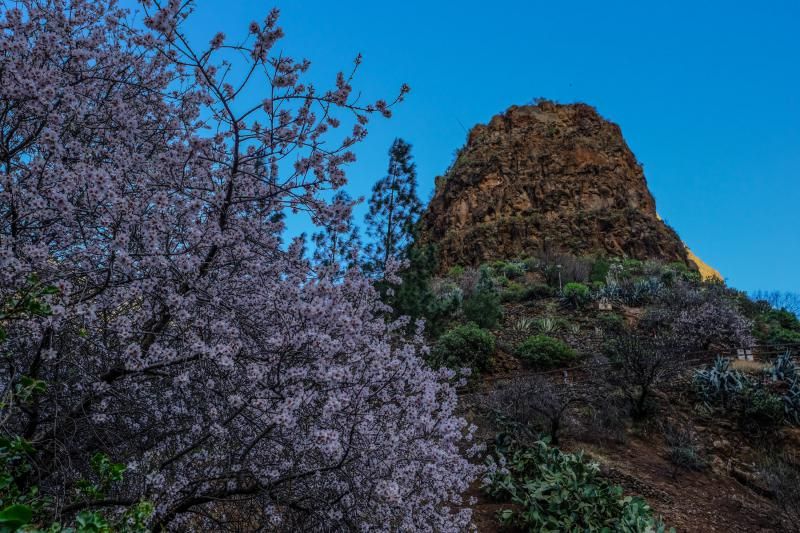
(393, 208)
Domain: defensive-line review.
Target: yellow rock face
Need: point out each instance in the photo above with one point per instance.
(706, 271)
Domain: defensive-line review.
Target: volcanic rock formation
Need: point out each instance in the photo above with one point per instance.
(546, 177)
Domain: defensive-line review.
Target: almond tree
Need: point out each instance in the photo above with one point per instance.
(143, 179)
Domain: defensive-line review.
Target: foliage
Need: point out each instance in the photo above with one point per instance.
(791, 403)
(393, 209)
(464, 346)
(337, 244)
(719, 383)
(547, 325)
(599, 272)
(556, 491)
(21, 501)
(514, 292)
(483, 308)
(777, 326)
(783, 368)
(538, 291)
(188, 337)
(575, 295)
(544, 352)
(523, 324)
(612, 323)
(760, 409)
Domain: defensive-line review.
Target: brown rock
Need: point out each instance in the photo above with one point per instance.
(548, 177)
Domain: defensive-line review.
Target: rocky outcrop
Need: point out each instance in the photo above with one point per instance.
(548, 177)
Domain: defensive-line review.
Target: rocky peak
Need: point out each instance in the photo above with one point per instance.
(546, 177)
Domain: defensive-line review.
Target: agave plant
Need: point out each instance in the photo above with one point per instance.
(547, 325)
(719, 382)
(784, 368)
(791, 403)
(523, 324)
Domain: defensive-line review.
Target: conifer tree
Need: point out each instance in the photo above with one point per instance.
(393, 209)
(337, 244)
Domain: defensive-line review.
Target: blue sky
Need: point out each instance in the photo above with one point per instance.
(706, 94)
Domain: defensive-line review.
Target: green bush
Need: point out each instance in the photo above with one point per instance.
(544, 351)
(514, 270)
(599, 271)
(556, 491)
(760, 410)
(575, 294)
(483, 308)
(464, 346)
(455, 272)
(514, 292)
(611, 322)
(538, 291)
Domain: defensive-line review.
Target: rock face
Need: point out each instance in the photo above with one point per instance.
(548, 177)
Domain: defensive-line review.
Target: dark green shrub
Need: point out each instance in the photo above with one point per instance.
(575, 294)
(514, 270)
(599, 271)
(543, 351)
(514, 292)
(760, 410)
(538, 291)
(455, 271)
(611, 322)
(464, 346)
(556, 491)
(483, 308)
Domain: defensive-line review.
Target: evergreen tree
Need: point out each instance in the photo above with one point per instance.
(338, 243)
(393, 209)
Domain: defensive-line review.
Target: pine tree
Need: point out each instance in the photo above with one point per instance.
(393, 209)
(337, 244)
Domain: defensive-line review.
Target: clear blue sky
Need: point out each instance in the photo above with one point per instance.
(707, 95)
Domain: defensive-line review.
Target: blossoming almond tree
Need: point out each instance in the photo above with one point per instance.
(140, 178)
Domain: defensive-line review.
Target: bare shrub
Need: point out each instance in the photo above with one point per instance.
(782, 476)
(530, 406)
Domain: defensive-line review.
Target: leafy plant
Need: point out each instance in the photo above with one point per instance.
(760, 410)
(719, 383)
(791, 403)
(544, 351)
(547, 325)
(575, 294)
(556, 491)
(783, 368)
(483, 308)
(464, 346)
(523, 324)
